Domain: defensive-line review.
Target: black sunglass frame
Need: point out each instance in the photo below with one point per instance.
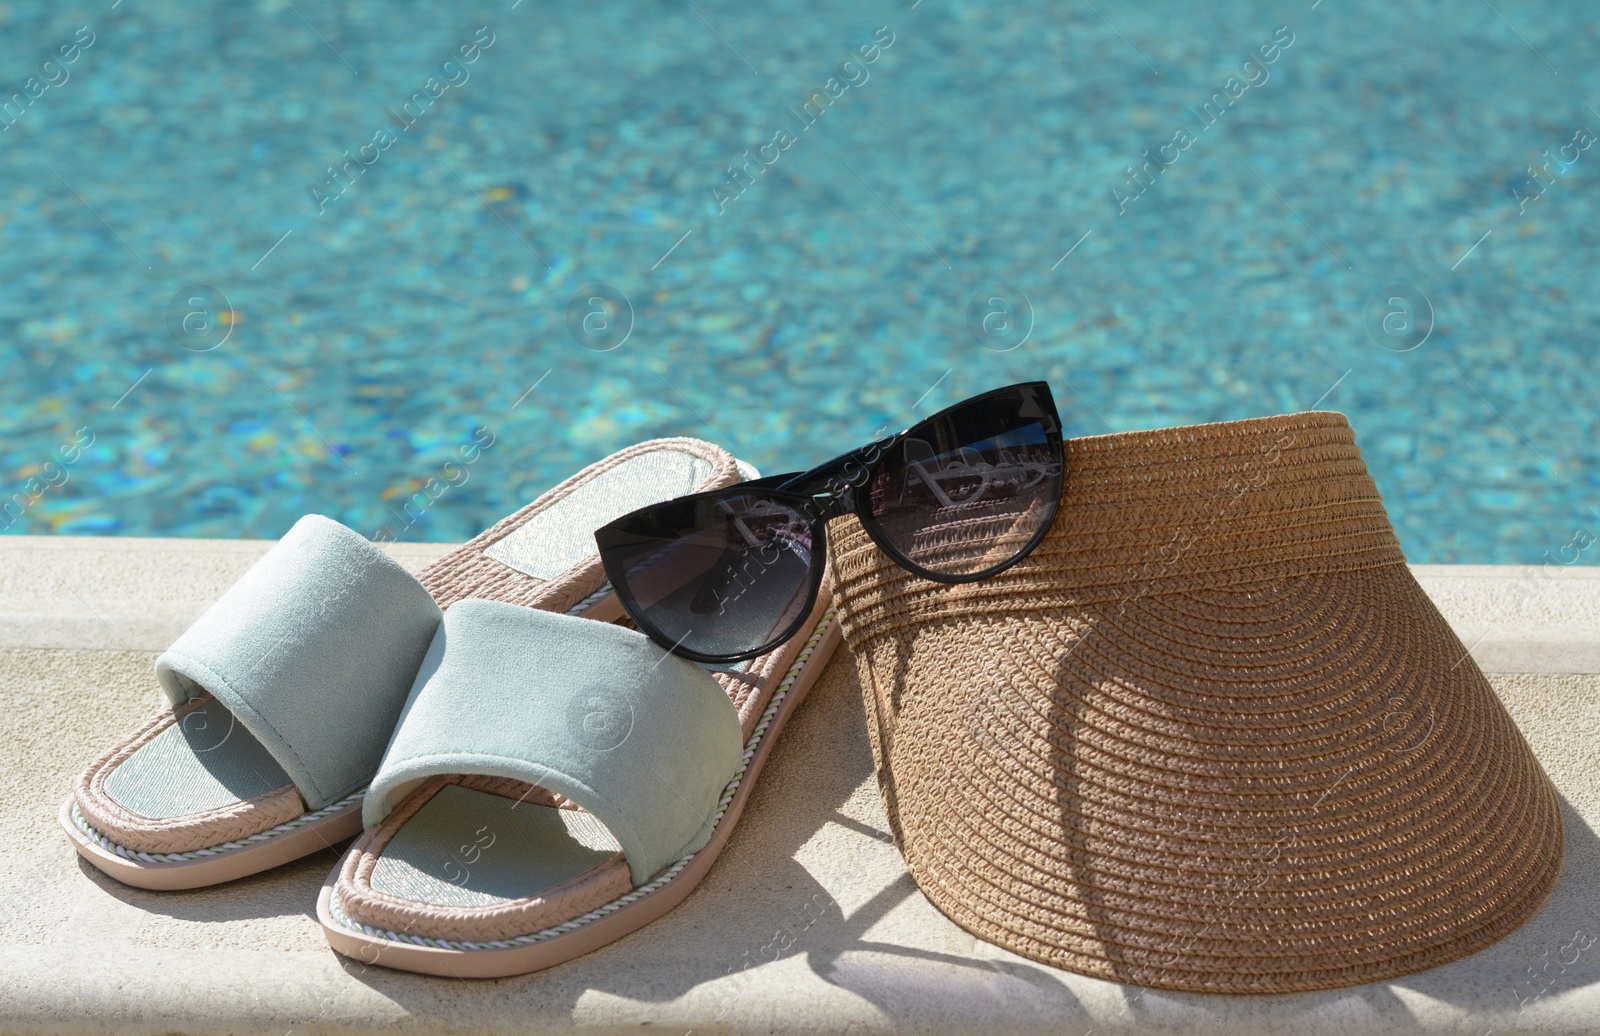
(821, 494)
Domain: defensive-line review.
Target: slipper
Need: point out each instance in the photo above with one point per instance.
(554, 785)
(285, 692)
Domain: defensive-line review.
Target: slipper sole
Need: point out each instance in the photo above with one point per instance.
(602, 930)
(224, 863)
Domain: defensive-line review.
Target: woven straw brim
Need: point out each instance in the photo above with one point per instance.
(1211, 735)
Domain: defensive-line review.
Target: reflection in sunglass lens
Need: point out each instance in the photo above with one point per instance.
(960, 498)
(727, 578)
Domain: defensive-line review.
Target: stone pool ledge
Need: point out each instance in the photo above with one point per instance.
(809, 922)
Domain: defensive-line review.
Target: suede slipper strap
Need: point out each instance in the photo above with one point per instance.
(643, 740)
(313, 650)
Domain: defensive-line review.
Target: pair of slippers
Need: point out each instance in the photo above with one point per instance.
(527, 783)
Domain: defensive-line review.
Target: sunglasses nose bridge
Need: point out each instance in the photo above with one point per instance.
(827, 506)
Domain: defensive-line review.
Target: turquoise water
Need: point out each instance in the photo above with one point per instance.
(966, 202)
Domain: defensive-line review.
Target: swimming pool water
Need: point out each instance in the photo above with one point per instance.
(425, 229)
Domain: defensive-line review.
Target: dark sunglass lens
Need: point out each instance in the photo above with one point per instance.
(967, 492)
(724, 576)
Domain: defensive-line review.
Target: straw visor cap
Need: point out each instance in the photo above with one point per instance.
(1210, 735)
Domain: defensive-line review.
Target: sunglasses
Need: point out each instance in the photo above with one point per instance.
(731, 574)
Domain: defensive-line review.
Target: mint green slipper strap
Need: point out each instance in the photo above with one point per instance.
(642, 739)
(313, 650)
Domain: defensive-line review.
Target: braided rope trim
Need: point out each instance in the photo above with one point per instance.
(588, 602)
(656, 884)
(92, 834)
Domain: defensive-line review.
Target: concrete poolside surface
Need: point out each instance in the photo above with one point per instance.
(808, 923)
